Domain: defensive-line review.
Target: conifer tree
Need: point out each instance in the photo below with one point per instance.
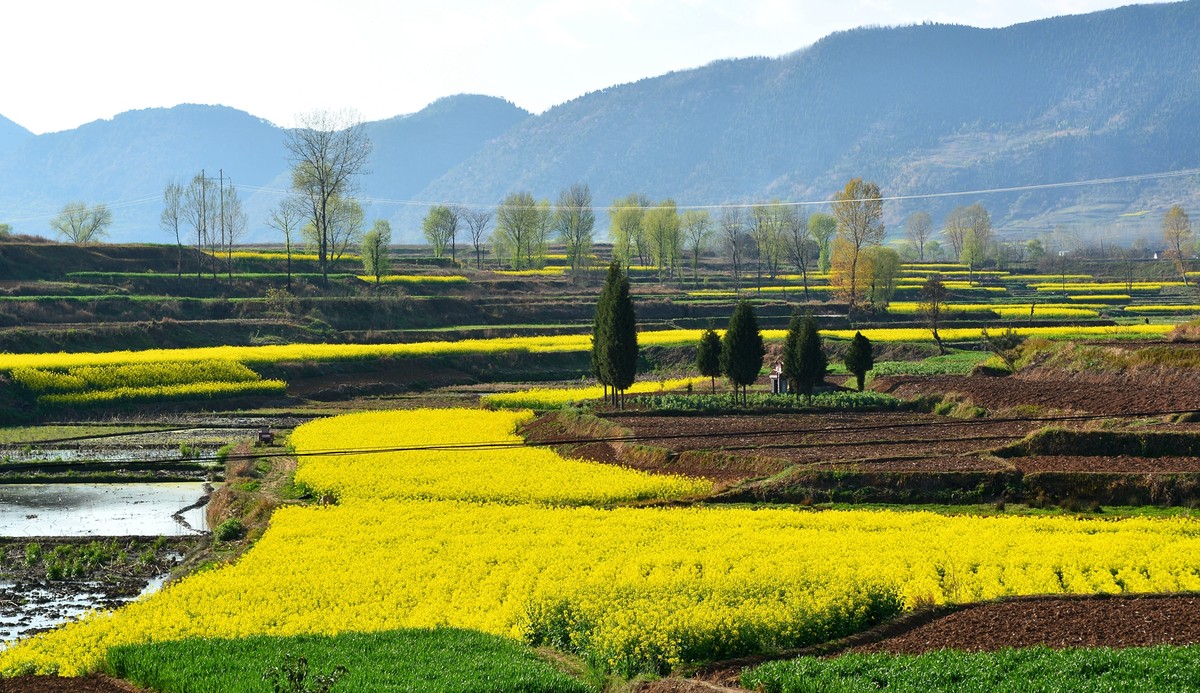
(742, 348)
(708, 356)
(804, 361)
(614, 340)
(859, 358)
(601, 326)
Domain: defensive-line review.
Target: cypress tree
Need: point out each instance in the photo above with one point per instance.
(804, 361)
(624, 354)
(742, 348)
(601, 328)
(614, 339)
(859, 358)
(708, 356)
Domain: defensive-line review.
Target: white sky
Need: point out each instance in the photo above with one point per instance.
(69, 62)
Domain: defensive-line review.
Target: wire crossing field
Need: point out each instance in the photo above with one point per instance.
(629, 588)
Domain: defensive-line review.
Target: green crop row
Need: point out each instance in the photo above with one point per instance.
(1162, 668)
(961, 363)
(720, 402)
(426, 660)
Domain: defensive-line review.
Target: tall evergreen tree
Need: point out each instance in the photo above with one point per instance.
(804, 361)
(614, 342)
(601, 328)
(742, 348)
(859, 358)
(708, 356)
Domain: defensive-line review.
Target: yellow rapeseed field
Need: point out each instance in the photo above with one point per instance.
(416, 279)
(282, 353)
(633, 588)
(494, 467)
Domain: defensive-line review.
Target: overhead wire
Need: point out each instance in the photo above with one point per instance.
(382, 201)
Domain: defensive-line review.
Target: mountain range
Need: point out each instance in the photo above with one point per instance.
(926, 111)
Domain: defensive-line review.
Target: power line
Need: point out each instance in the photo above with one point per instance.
(710, 206)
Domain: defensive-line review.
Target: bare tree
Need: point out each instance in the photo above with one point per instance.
(233, 222)
(697, 231)
(734, 241)
(200, 208)
(965, 220)
(933, 301)
(286, 218)
(327, 151)
(172, 218)
(81, 224)
(345, 226)
(575, 220)
(766, 226)
(917, 229)
(801, 248)
(477, 222)
(543, 217)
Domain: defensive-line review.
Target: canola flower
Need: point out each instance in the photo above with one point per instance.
(1050, 278)
(955, 272)
(1106, 298)
(283, 353)
(179, 391)
(812, 277)
(416, 279)
(630, 588)
(550, 398)
(275, 255)
(107, 384)
(1151, 310)
(80, 378)
(543, 272)
(516, 474)
(932, 266)
(1005, 310)
(1081, 287)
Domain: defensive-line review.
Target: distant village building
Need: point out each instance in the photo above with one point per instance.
(779, 384)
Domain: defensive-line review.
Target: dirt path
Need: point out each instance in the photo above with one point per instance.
(57, 684)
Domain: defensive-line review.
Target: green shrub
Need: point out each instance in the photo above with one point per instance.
(33, 552)
(229, 530)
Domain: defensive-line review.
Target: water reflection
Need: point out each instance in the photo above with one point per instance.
(109, 510)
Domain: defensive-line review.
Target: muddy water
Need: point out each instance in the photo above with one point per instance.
(108, 510)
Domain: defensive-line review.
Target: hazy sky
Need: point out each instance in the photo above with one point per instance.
(70, 62)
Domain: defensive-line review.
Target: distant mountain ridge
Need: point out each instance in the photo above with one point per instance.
(919, 109)
(11, 135)
(128, 160)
